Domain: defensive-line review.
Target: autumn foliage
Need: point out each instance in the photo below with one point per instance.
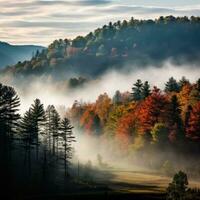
(152, 110)
(171, 115)
(193, 130)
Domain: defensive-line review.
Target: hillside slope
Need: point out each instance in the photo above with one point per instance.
(116, 45)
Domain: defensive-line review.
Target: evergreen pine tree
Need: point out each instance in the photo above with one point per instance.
(68, 138)
(172, 85)
(38, 114)
(183, 82)
(117, 98)
(137, 90)
(9, 103)
(145, 90)
(26, 131)
(52, 128)
(174, 118)
(55, 124)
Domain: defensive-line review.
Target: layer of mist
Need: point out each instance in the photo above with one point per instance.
(58, 93)
(94, 149)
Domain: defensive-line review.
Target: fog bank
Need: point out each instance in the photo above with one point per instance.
(58, 92)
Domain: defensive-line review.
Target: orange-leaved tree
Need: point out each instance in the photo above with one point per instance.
(193, 129)
(152, 110)
(90, 121)
(102, 107)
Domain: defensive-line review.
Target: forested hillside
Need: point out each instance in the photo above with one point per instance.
(149, 128)
(11, 54)
(152, 125)
(133, 42)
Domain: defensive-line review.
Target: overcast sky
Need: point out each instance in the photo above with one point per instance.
(42, 21)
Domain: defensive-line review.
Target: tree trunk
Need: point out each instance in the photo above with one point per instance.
(65, 159)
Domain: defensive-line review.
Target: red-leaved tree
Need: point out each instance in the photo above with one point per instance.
(193, 129)
(152, 111)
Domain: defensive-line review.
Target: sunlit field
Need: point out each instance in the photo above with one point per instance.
(139, 182)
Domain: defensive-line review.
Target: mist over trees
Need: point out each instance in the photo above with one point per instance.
(37, 144)
(147, 125)
(123, 43)
(157, 129)
(146, 121)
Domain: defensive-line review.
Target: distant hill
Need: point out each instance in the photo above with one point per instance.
(116, 45)
(12, 54)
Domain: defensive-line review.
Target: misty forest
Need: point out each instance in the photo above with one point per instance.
(111, 115)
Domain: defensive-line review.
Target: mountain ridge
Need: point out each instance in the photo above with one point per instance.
(135, 43)
(11, 54)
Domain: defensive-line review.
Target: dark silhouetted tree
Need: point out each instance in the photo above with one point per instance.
(160, 134)
(171, 85)
(38, 115)
(55, 125)
(137, 90)
(26, 131)
(187, 117)
(183, 82)
(178, 188)
(174, 118)
(9, 106)
(145, 92)
(68, 138)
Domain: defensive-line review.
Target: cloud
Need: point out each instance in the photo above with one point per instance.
(24, 21)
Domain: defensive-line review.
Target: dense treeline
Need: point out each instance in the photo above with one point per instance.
(34, 148)
(158, 128)
(147, 121)
(139, 42)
